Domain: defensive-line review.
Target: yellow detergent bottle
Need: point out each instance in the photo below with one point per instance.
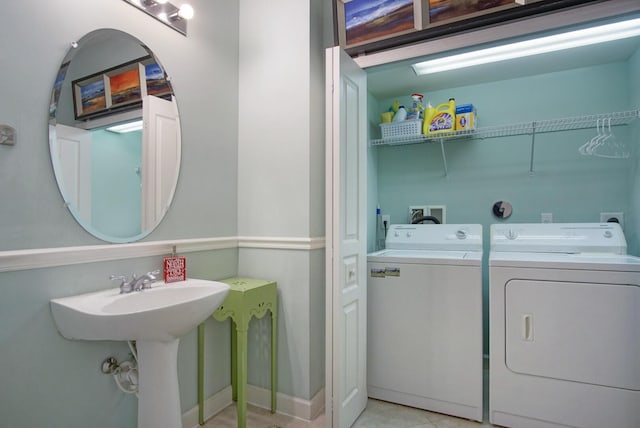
(444, 119)
(429, 112)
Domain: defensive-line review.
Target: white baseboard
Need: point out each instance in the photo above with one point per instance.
(259, 397)
(286, 404)
(212, 406)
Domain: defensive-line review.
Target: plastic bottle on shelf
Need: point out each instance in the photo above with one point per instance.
(400, 115)
(380, 230)
(429, 112)
(416, 107)
(444, 119)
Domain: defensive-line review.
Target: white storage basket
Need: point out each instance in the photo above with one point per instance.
(401, 129)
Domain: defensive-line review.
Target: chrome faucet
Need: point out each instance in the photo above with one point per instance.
(136, 283)
(144, 281)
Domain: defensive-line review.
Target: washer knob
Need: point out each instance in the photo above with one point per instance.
(608, 234)
(408, 234)
(511, 234)
(396, 234)
(461, 234)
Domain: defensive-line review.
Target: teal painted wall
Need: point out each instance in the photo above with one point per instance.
(633, 219)
(573, 187)
(116, 208)
(372, 174)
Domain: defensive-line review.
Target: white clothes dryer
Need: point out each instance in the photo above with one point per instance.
(564, 314)
(424, 332)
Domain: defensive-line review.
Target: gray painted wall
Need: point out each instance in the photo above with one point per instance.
(281, 175)
(203, 67)
(249, 168)
(45, 380)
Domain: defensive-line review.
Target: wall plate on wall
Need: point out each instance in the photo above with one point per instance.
(417, 211)
(7, 135)
(438, 211)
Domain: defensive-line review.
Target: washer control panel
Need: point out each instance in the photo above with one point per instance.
(442, 237)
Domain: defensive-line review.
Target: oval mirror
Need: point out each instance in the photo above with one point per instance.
(114, 136)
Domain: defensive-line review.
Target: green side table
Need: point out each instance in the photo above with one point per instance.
(247, 297)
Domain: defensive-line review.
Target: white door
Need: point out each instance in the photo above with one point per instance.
(346, 236)
(160, 158)
(73, 148)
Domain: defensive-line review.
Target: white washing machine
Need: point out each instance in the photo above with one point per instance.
(564, 306)
(424, 332)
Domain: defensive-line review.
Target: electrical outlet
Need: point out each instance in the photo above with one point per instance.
(546, 217)
(386, 218)
(610, 216)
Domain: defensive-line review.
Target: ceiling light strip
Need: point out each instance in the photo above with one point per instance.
(585, 37)
(126, 127)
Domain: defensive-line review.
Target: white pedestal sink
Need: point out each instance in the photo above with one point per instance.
(155, 318)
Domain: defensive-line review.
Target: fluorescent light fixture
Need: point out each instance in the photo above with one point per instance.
(572, 39)
(126, 127)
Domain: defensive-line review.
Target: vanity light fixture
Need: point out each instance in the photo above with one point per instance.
(165, 12)
(126, 127)
(557, 42)
(186, 11)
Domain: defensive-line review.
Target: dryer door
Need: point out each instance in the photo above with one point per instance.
(583, 332)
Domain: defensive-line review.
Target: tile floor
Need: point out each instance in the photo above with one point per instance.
(261, 418)
(378, 414)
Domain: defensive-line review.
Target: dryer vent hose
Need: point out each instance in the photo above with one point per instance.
(426, 218)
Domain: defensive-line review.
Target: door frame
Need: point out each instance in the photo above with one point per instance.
(346, 240)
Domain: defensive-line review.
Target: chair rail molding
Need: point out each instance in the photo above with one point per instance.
(15, 260)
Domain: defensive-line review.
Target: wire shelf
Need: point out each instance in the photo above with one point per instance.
(526, 128)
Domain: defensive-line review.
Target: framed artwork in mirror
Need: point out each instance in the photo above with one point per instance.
(156, 80)
(125, 86)
(119, 88)
(57, 89)
(91, 96)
